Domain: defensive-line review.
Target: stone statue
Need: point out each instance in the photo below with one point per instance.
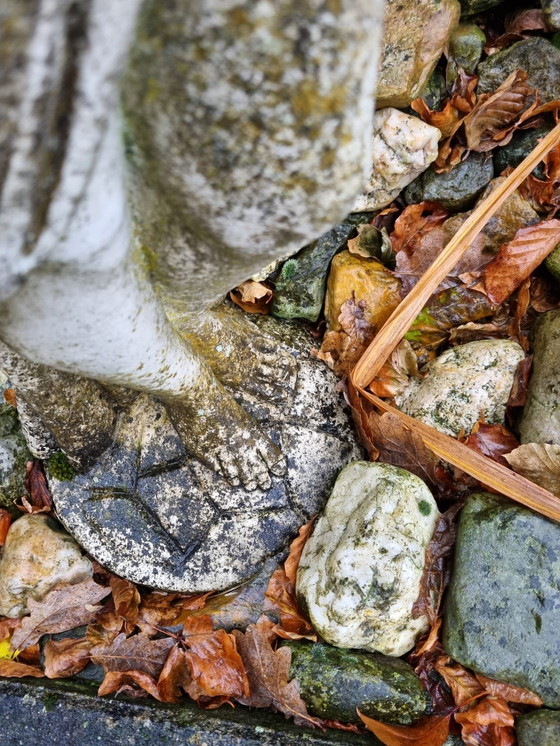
(153, 156)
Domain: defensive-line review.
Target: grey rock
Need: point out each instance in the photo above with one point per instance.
(466, 45)
(538, 728)
(301, 283)
(540, 422)
(518, 148)
(552, 262)
(40, 441)
(537, 57)
(470, 7)
(463, 384)
(360, 571)
(416, 32)
(38, 555)
(501, 616)
(551, 12)
(152, 514)
(14, 455)
(334, 682)
(455, 190)
(435, 92)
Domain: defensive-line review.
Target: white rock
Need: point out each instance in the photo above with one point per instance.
(403, 148)
(38, 555)
(463, 384)
(360, 571)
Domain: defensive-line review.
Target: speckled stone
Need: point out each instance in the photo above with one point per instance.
(334, 682)
(552, 262)
(403, 147)
(519, 147)
(38, 555)
(455, 190)
(540, 422)
(501, 616)
(152, 514)
(14, 455)
(538, 728)
(463, 384)
(536, 56)
(360, 571)
(551, 11)
(416, 32)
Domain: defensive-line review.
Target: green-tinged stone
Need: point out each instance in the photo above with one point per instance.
(501, 616)
(556, 40)
(537, 57)
(552, 262)
(551, 12)
(455, 190)
(13, 457)
(301, 284)
(538, 728)
(540, 422)
(435, 92)
(470, 7)
(518, 148)
(334, 682)
(465, 50)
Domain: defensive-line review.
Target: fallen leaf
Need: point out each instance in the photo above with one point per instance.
(493, 441)
(545, 294)
(268, 672)
(429, 731)
(509, 692)
(10, 397)
(518, 393)
(66, 657)
(175, 676)
(539, 462)
(413, 223)
(64, 607)
(463, 684)
(15, 669)
(158, 610)
(5, 523)
(281, 601)
(127, 601)
(342, 349)
(130, 683)
(253, 297)
(488, 723)
(394, 376)
(40, 499)
(372, 243)
(216, 667)
(136, 653)
(518, 258)
(296, 550)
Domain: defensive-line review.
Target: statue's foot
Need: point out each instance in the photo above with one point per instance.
(219, 432)
(242, 357)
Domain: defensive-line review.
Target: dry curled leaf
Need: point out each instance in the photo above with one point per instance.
(488, 723)
(130, 683)
(429, 731)
(15, 669)
(63, 608)
(268, 671)
(40, 499)
(66, 657)
(539, 462)
(509, 692)
(394, 376)
(253, 297)
(517, 259)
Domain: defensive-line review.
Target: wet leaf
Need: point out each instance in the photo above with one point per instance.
(488, 723)
(216, 667)
(493, 441)
(5, 523)
(66, 657)
(136, 653)
(429, 731)
(372, 243)
(342, 349)
(509, 692)
(158, 610)
(268, 671)
(129, 683)
(40, 499)
(175, 676)
(10, 397)
(413, 224)
(463, 684)
(253, 297)
(127, 601)
(517, 259)
(545, 294)
(281, 601)
(526, 20)
(394, 376)
(539, 462)
(63, 608)
(15, 669)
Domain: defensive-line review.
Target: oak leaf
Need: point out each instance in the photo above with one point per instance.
(66, 657)
(429, 731)
(517, 259)
(63, 608)
(268, 672)
(539, 462)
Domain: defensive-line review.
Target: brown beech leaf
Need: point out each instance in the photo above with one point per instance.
(175, 676)
(66, 657)
(127, 601)
(413, 223)
(342, 349)
(539, 462)
(281, 600)
(5, 523)
(494, 441)
(494, 112)
(40, 499)
(63, 608)
(429, 731)
(488, 723)
(159, 610)
(463, 684)
(216, 667)
(509, 692)
(15, 669)
(131, 683)
(394, 376)
(136, 653)
(10, 397)
(253, 297)
(518, 258)
(268, 672)
(446, 120)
